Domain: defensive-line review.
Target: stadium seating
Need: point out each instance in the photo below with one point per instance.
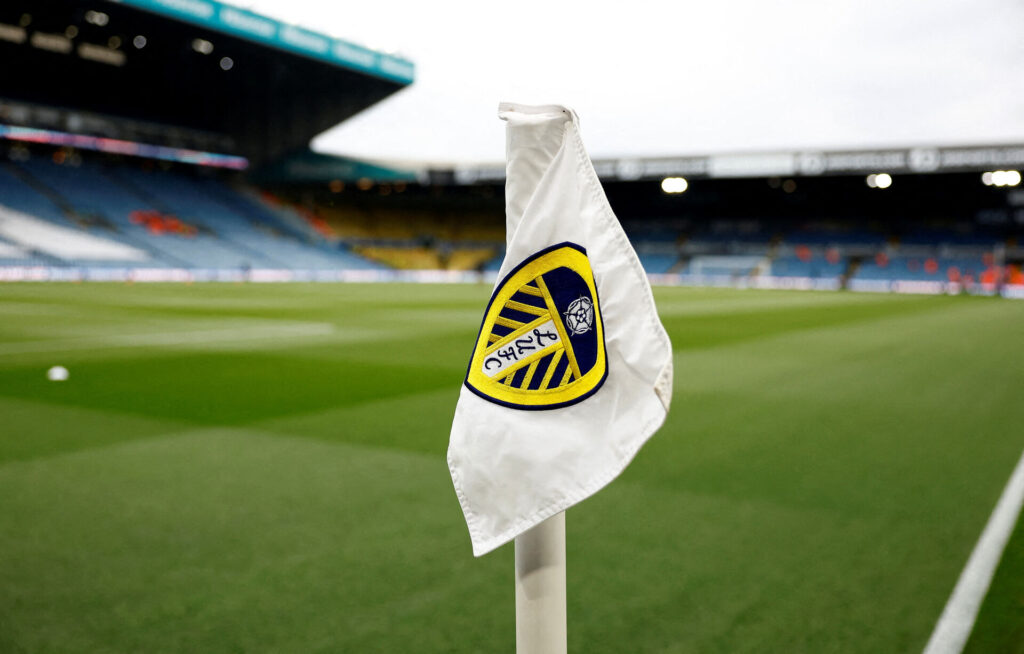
(16, 194)
(823, 250)
(494, 263)
(30, 234)
(139, 214)
(120, 213)
(658, 263)
(418, 239)
(15, 255)
(921, 268)
(814, 266)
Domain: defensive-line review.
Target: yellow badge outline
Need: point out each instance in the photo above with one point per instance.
(573, 387)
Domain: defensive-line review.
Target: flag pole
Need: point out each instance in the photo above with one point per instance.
(540, 588)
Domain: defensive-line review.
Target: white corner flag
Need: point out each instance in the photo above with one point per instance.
(571, 371)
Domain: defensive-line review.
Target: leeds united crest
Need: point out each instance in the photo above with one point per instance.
(541, 345)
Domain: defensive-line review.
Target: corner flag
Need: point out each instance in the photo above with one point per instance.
(571, 371)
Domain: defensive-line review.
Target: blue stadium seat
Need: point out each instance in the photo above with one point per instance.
(817, 267)
(225, 227)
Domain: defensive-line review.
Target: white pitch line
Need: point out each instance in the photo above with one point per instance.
(171, 339)
(957, 620)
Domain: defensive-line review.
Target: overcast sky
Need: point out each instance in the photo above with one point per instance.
(684, 77)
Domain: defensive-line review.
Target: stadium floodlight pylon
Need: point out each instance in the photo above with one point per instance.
(571, 371)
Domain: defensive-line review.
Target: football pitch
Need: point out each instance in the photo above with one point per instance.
(261, 468)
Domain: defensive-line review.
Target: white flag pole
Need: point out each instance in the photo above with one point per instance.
(540, 588)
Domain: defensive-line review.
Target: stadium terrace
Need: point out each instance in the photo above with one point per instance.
(198, 114)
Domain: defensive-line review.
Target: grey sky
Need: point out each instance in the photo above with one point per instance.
(669, 78)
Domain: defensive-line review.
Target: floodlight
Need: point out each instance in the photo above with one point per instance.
(674, 185)
(202, 46)
(97, 18)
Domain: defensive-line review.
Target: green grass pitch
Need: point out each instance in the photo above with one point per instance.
(260, 468)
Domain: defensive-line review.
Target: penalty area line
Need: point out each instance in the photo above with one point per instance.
(957, 619)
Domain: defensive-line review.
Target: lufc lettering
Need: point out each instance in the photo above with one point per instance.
(526, 345)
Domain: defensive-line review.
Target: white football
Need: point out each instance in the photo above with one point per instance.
(57, 373)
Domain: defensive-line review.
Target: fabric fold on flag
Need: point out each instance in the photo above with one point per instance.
(571, 372)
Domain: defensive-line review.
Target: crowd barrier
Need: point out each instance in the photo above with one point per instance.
(273, 275)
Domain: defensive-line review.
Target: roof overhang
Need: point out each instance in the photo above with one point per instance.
(807, 163)
(226, 19)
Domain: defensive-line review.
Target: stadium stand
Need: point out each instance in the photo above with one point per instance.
(121, 136)
(691, 245)
(63, 243)
(125, 215)
(210, 170)
(814, 266)
(418, 238)
(62, 207)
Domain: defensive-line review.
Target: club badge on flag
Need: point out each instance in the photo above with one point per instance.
(542, 342)
(571, 371)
